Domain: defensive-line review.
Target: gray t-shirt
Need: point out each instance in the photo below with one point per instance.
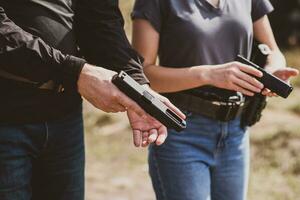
(193, 32)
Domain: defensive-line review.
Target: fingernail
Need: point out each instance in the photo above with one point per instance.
(158, 143)
(152, 138)
(261, 86)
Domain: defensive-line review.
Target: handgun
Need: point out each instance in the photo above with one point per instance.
(270, 81)
(151, 104)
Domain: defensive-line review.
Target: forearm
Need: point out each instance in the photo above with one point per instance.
(263, 33)
(164, 79)
(102, 39)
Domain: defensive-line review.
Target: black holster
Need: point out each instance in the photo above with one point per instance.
(257, 103)
(253, 112)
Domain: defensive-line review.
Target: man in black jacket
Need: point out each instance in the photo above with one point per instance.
(42, 80)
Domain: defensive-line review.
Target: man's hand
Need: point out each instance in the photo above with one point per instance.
(147, 130)
(284, 74)
(95, 85)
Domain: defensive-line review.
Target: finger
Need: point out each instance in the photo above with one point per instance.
(244, 84)
(250, 70)
(269, 93)
(137, 138)
(286, 73)
(291, 71)
(174, 108)
(274, 94)
(153, 134)
(251, 80)
(237, 88)
(266, 92)
(145, 139)
(162, 135)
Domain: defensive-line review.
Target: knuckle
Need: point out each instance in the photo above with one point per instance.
(235, 64)
(252, 80)
(166, 100)
(115, 96)
(235, 71)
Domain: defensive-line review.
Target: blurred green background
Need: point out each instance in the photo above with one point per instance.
(118, 171)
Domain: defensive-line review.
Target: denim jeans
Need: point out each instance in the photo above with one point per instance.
(208, 160)
(43, 161)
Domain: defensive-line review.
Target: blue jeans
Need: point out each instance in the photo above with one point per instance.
(208, 160)
(43, 161)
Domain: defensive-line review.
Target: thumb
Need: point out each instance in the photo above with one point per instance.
(292, 71)
(286, 73)
(174, 108)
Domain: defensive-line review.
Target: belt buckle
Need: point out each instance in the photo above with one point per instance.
(231, 109)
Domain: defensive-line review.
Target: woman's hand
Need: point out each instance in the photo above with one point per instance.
(233, 76)
(284, 74)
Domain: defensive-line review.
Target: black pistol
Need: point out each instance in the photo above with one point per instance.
(257, 103)
(148, 102)
(270, 81)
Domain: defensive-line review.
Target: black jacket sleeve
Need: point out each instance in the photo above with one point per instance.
(102, 39)
(25, 55)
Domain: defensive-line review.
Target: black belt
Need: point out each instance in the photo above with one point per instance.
(219, 110)
(50, 85)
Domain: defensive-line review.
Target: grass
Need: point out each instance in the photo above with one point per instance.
(296, 109)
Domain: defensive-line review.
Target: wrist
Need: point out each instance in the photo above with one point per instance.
(201, 74)
(83, 76)
(275, 61)
(90, 73)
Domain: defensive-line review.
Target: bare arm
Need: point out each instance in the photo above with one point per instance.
(231, 76)
(263, 33)
(276, 63)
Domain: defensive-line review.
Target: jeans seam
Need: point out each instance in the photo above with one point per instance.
(224, 135)
(47, 135)
(160, 185)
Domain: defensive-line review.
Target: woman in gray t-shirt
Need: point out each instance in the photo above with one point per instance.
(196, 42)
